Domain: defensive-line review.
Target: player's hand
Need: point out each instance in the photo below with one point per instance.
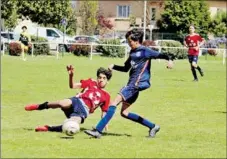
(196, 47)
(170, 64)
(70, 69)
(111, 67)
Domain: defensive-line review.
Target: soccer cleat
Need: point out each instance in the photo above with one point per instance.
(94, 133)
(195, 80)
(42, 128)
(31, 107)
(201, 72)
(153, 131)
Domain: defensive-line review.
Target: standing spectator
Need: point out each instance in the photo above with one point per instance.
(25, 41)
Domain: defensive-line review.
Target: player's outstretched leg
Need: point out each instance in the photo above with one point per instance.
(200, 71)
(153, 128)
(97, 132)
(64, 104)
(46, 128)
(194, 74)
(42, 128)
(32, 107)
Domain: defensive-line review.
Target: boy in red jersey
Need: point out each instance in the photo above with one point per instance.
(193, 41)
(80, 106)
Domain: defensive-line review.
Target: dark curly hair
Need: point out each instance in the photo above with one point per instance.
(135, 35)
(24, 27)
(105, 72)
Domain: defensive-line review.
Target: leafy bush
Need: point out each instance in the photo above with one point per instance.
(40, 49)
(78, 50)
(179, 53)
(111, 51)
(15, 49)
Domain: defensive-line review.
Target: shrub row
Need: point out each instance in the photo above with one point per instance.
(109, 51)
(39, 49)
(179, 53)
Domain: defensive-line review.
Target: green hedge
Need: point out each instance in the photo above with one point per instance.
(40, 49)
(111, 51)
(179, 53)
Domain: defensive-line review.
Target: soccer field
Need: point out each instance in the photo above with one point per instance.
(192, 115)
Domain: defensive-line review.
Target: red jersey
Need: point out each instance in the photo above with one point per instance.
(93, 96)
(193, 41)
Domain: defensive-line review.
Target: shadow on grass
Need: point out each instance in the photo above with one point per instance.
(28, 129)
(220, 112)
(67, 137)
(113, 134)
(116, 134)
(178, 80)
(81, 130)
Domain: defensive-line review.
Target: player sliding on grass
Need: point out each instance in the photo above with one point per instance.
(139, 62)
(78, 107)
(193, 41)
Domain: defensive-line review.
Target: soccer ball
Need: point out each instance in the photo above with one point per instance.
(70, 127)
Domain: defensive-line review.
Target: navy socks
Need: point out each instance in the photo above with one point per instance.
(139, 119)
(104, 121)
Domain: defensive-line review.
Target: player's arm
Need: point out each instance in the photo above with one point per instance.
(124, 68)
(150, 53)
(202, 41)
(72, 85)
(185, 44)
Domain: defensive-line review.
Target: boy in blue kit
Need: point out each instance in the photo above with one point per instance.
(139, 63)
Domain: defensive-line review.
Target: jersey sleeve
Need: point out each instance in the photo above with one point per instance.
(125, 68)
(85, 83)
(105, 106)
(150, 53)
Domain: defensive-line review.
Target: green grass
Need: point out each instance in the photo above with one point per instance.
(192, 115)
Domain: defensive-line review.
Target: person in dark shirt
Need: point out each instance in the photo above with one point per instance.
(139, 64)
(25, 40)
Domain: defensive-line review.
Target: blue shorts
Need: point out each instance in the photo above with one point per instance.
(78, 108)
(193, 58)
(129, 94)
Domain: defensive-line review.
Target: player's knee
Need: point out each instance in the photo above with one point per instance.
(124, 114)
(64, 104)
(194, 64)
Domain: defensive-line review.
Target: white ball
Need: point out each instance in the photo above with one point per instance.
(70, 127)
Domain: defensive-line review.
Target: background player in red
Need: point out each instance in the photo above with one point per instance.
(80, 106)
(193, 41)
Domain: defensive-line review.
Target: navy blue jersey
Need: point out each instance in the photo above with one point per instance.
(140, 62)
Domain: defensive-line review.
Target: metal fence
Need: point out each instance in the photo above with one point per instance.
(219, 51)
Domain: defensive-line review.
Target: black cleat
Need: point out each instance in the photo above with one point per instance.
(201, 72)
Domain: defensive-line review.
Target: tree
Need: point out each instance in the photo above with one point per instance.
(104, 26)
(179, 14)
(218, 24)
(7, 8)
(45, 12)
(88, 13)
(9, 13)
